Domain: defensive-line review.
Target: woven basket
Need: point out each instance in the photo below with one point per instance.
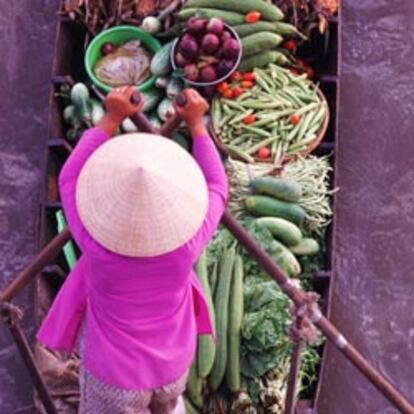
(311, 147)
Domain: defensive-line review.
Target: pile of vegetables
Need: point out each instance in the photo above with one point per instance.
(258, 23)
(312, 174)
(262, 112)
(83, 111)
(282, 113)
(246, 370)
(207, 51)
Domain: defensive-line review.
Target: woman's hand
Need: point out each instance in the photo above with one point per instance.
(192, 111)
(118, 106)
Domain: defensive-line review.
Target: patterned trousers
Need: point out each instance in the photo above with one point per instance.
(100, 398)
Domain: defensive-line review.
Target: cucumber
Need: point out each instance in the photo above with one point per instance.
(285, 259)
(258, 42)
(221, 306)
(228, 17)
(268, 11)
(268, 206)
(213, 278)
(263, 59)
(160, 62)
(235, 322)
(287, 29)
(151, 99)
(206, 346)
(306, 247)
(194, 389)
(284, 231)
(251, 28)
(79, 96)
(281, 188)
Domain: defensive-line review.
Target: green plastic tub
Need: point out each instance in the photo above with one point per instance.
(118, 35)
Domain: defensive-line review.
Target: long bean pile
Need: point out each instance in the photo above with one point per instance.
(282, 112)
(311, 173)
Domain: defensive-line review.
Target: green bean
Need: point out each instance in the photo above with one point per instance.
(257, 131)
(263, 143)
(304, 125)
(241, 154)
(240, 117)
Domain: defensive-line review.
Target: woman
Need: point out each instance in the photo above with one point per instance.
(141, 210)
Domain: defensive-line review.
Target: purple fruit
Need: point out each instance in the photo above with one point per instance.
(208, 74)
(210, 91)
(226, 35)
(224, 67)
(231, 48)
(191, 72)
(188, 47)
(215, 25)
(107, 48)
(210, 43)
(180, 60)
(196, 26)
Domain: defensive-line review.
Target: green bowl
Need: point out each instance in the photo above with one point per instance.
(118, 35)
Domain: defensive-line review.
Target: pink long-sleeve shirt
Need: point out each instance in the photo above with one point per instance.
(142, 314)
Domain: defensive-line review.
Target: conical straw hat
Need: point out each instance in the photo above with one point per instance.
(141, 195)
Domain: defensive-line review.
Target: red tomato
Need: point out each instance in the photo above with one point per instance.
(237, 91)
(228, 94)
(294, 119)
(309, 72)
(249, 119)
(249, 76)
(252, 17)
(290, 45)
(263, 153)
(223, 86)
(246, 84)
(235, 76)
(300, 62)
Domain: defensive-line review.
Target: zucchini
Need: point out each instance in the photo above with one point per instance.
(235, 322)
(194, 389)
(228, 17)
(165, 109)
(79, 96)
(151, 99)
(268, 206)
(206, 346)
(221, 306)
(160, 62)
(285, 259)
(306, 247)
(281, 188)
(263, 59)
(259, 42)
(268, 11)
(284, 231)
